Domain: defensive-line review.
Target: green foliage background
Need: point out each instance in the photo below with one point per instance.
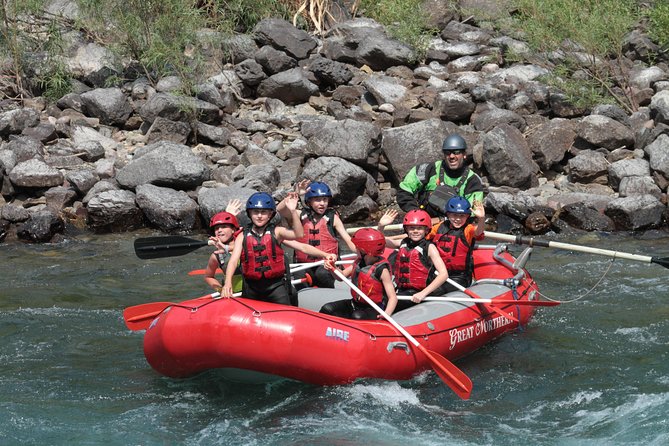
(580, 40)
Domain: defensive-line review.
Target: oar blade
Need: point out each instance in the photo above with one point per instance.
(664, 261)
(170, 246)
(449, 373)
(140, 317)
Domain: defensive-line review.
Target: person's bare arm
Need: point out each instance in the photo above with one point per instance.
(389, 288)
(341, 231)
(210, 272)
(232, 266)
(296, 230)
(479, 213)
(309, 250)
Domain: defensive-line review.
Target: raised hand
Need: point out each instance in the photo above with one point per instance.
(478, 209)
(302, 186)
(234, 207)
(291, 201)
(389, 217)
(219, 244)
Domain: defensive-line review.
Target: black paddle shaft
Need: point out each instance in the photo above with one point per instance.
(170, 246)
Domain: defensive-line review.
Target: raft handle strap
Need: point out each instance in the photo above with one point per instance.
(399, 345)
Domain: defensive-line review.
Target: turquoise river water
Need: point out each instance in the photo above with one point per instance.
(590, 372)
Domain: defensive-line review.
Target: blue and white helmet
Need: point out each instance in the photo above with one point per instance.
(317, 189)
(260, 200)
(458, 205)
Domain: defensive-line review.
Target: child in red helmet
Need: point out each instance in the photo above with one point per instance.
(224, 226)
(455, 238)
(371, 274)
(417, 267)
(322, 225)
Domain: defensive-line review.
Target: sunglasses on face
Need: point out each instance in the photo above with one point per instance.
(455, 152)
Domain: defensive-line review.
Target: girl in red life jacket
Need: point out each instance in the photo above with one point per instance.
(259, 248)
(225, 227)
(322, 225)
(417, 267)
(455, 238)
(371, 274)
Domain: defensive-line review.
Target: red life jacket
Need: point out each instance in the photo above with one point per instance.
(320, 234)
(412, 266)
(368, 279)
(262, 256)
(453, 247)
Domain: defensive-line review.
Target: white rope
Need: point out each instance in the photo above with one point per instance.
(584, 294)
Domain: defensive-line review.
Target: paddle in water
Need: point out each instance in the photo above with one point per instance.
(531, 241)
(139, 317)
(447, 371)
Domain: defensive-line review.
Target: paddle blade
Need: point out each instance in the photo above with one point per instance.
(449, 373)
(140, 317)
(170, 246)
(662, 262)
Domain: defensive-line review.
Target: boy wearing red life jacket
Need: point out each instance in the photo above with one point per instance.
(455, 238)
(371, 274)
(322, 225)
(417, 267)
(259, 248)
(225, 227)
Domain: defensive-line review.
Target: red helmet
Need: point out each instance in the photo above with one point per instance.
(417, 217)
(369, 241)
(224, 218)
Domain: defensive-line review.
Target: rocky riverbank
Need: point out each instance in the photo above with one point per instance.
(348, 108)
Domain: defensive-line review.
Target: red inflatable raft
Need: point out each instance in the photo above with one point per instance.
(300, 343)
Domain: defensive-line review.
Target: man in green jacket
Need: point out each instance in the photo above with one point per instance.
(430, 185)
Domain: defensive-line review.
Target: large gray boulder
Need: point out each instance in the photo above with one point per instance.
(636, 213)
(109, 105)
(283, 36)
(346, 180)
(290, 86)
(166, 208)
(589, 167)
(179, 108)
(114, 211)
(35, 173)
(602, 131)
(508, 159)
(365, 42)
(164, 164)
(550, 142)
(414, 143)
(348, 139)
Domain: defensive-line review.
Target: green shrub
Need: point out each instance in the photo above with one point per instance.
(582, 40)
(658, 17)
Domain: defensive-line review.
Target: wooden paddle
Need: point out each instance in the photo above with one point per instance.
(139, 317)
(531, 303)
(168, 246)
(531, 241)
(478, 298)
(447, 371)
